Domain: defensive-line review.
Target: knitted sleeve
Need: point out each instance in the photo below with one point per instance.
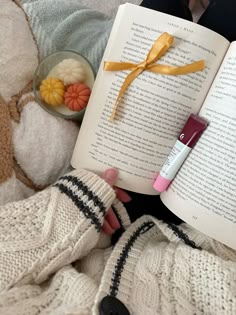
(51, 229)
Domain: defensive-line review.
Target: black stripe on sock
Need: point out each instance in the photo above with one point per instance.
(91, 195)
(119, 267)
(183, 236)
(88, 213)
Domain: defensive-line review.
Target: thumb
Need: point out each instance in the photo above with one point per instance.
(110, 176)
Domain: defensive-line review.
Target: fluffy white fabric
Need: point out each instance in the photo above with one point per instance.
(13, 189)
(42, 143)
(18, 52)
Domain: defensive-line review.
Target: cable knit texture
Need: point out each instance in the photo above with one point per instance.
(155, 268)
(153, 271)
(68, 293)
(52, 228)
(54, 259)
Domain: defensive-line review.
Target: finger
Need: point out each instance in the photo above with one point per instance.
(107, 229)
(112, 220)
(122, 195)
(110, 176)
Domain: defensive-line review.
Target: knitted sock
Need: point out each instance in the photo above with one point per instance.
(51, 229)
(68, 292)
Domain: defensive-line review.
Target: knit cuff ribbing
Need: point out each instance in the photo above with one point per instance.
(121, 214)
(89, 192)
(118, 276)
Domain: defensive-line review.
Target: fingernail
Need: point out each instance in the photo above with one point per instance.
(123, 196)
(127, 198)
(110, 174)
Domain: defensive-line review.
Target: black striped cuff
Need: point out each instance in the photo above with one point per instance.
(121, 214)
(89, 193)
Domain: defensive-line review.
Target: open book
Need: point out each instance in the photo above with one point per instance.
(153, 111)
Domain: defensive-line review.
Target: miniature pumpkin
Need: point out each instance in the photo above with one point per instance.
(77, 96)
(70, 71)
(52, 91)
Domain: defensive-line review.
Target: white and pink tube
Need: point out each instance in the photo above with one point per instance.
(190, 134)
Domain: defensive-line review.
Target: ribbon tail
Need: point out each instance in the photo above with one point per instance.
(172, 70)
(117, 66)
(129, 79)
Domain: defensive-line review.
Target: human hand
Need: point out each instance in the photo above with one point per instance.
(111, 223)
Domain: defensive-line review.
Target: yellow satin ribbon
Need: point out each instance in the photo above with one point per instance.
(159, 48)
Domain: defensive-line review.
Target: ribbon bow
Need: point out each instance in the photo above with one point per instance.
(159, 48)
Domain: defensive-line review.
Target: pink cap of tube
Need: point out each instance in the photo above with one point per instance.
(161, 183)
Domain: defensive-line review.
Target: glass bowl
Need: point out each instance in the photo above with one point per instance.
(41, 73)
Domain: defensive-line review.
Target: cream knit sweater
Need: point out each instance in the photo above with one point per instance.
(155, 268)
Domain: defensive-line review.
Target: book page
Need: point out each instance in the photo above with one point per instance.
(155, 107)
(203, 193)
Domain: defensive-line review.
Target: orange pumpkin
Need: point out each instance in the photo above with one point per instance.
(77, 96)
